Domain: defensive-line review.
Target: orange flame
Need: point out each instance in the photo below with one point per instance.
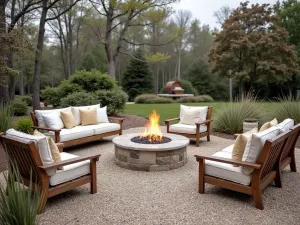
(152, 129)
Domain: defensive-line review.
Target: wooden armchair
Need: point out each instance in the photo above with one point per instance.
(196, 132)
(27, 160)
(266, 170)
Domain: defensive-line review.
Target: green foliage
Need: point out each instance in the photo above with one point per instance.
(204, 82)
(27, 99)
(207, 98)
(5, 118)
(19, 205)
(18, 108)
(95, 59)
(114, 99)
(137, 78)
(91, 81)
(78, 99)
(200, 98)
(143, 98)
(288, 109)
(24, 125)
(230, 118)
(187, 86)
(51, 96)
(158, 100)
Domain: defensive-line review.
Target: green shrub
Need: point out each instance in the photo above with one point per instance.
(78, 99)
(288, 109)
(188, 87)
(158, 100)
(144, 97)
(230, 118)
(115, 99)
(190, 99)
(18, 204)
(18, 108)
(50, 96)
(27, 99)
(24, 125)
(207, 98)
(91, 81)
(5, 118)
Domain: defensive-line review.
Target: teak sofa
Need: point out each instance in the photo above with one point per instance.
(79, 134)
(198, 130)
(277, 152)
(27, 158)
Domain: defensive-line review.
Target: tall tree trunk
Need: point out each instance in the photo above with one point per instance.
(112, 67)
(12, 80)
(38, 57)
(179, 64)
(241, 90)
(21, 74)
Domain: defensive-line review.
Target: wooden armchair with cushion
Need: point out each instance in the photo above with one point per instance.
(30, 157)
(194, 122)
(252, 175)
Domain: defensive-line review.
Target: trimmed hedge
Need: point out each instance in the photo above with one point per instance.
(143, 98)
(78, 99)
(158, 100)
(18, 108)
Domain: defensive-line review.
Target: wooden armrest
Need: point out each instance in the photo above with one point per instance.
(203, 122)
(116, 118)
(228, 161)
(170, 120)
(46, 128)
(70, 161)
(60, 146)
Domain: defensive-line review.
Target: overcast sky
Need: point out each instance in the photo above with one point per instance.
(204, 9)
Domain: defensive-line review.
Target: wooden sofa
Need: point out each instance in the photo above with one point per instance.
(275, 155)
(26, 158)
(57, 134)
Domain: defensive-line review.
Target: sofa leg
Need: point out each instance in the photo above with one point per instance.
(201, 176)
(43, 201)
(197, 142)
(258, 199)
(293, 163)
(278, 182)
(208, 137)
(93, 177)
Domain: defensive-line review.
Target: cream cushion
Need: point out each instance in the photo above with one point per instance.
(228, 149)
(285, 125)
(192, 114)
(106, 127)
(265, 126)
(226, 171)
(70, 172)
(186, 129)
(102, 115)
(76, 113)
(39, 115)
(255, 145)
(88, 116)
(273, 122)
(53, 120)
(41, 144)
(68, 119)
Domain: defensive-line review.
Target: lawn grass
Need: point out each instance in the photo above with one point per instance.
(168, 111)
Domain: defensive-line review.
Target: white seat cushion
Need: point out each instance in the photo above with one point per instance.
(39, 115)
(191, 114)
(70, 172)
(226, 171)
(76, 112)
(255, 145)
(106, 127)
(186, 129)
(228, 149)
(285, 125)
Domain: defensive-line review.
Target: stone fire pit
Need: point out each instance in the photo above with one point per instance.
(150, 157)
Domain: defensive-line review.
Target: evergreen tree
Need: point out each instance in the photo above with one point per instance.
(137, 78)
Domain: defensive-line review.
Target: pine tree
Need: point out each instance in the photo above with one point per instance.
(137, 78)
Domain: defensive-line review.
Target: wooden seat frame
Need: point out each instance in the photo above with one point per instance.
(27, 160)
(266, 169)
(198, 134)
(79, 140)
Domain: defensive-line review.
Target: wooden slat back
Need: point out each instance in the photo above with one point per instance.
(24, 156)
(271, 153)
(33, 118)
(291, 142)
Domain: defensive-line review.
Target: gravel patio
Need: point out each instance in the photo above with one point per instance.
(168, 197)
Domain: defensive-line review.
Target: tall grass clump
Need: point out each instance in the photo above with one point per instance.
(18, 204)
(288, 108)
(5, 118)
(24, 125)
(229, 119)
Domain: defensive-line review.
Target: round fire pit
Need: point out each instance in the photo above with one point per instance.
(150, 157)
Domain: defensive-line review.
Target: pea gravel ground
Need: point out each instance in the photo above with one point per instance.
(168, 197)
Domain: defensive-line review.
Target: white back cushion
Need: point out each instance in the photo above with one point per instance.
(191, 114)
(76, 113)
(102, 115)
(285, 125)
(255, 145)
(53, 120)
(39, 115)
(41, 143)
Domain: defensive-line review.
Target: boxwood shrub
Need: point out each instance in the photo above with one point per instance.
(78, 99)
(18, 108)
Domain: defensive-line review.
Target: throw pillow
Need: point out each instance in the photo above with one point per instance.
(102, 115)
(273, 122)
(191, 115)
(88, 116)
(39, 115)
(240, 144)
(68, 119)
(265, 126)
(53, 120)
(76, 113)
(53, 148)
